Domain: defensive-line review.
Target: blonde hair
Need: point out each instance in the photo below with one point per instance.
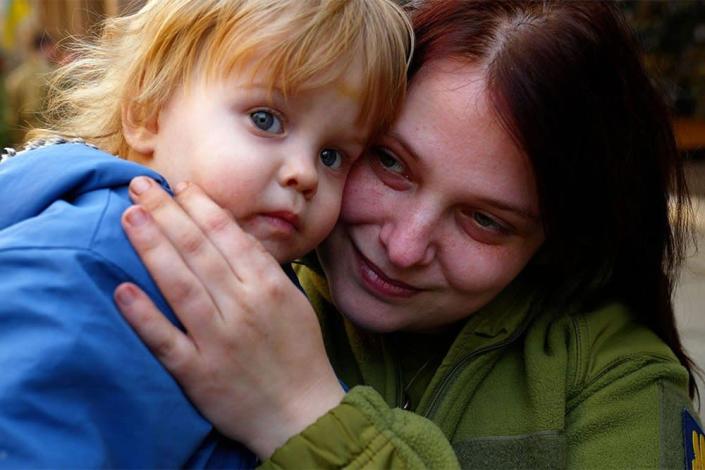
(141, 59)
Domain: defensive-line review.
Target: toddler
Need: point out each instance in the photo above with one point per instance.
(265, 104)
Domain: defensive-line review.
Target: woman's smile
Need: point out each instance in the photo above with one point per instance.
(377, 282)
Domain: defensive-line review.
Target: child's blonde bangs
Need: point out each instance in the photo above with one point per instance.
(141, 59)
(304, 44)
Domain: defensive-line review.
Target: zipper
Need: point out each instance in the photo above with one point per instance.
(401, 399)
(460, 365)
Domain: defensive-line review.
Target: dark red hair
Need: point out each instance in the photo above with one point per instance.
(568, 84)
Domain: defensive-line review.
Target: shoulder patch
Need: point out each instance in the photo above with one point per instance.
(693, 442)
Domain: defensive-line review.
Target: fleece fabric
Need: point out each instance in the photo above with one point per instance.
(78, 389)
(519, 386)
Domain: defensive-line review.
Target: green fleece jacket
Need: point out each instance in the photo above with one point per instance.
(518, 387)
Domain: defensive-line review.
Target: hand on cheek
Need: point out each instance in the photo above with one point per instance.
(252, 360)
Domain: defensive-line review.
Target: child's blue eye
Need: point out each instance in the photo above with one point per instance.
(332, 158)
(268, 122)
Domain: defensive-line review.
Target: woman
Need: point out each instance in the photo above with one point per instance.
(498, 284)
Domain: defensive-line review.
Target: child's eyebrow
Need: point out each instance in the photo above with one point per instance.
(359, 139)
(273, 91)
(354, 141)
(348, 90)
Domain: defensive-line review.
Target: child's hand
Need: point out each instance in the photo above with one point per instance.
(253, 361)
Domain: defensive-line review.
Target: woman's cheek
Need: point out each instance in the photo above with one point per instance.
(476, 267)
(364, 193)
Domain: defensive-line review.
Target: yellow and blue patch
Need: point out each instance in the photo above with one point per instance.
(694, 443)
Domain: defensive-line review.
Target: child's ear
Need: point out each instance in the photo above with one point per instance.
(140, 131)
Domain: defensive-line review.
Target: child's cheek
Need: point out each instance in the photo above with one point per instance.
(328, 210)
(228, 190)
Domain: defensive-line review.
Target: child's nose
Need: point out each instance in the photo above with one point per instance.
(301, 174)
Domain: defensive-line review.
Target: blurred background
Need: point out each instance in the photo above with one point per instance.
(32, 33)
(672, 34)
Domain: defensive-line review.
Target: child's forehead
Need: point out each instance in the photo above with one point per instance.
(345, 78)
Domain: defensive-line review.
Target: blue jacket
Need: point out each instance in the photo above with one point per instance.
(77, 386)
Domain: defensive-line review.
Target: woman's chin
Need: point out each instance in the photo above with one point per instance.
(363, 312)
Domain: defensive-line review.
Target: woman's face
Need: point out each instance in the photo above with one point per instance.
(439, 217)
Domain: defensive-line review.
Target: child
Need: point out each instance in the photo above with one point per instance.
(265, 104)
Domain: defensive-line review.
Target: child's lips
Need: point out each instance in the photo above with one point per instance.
(286, 216)
(280, 222)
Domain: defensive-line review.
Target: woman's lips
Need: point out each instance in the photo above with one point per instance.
(376, 281)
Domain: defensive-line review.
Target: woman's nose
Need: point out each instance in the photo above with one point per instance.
(409, 240)
(300, 173)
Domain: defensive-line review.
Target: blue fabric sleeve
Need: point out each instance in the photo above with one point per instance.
(77, 386)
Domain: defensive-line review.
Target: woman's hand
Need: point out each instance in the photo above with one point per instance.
(253, 360)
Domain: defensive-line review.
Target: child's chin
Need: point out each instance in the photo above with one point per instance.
(281, 251)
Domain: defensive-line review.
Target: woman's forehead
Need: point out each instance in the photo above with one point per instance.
(451, 131)
(452, 102)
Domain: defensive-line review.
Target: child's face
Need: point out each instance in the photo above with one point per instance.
(277, 165)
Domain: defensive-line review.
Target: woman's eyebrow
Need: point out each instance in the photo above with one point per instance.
(509, 207)
(403, 144)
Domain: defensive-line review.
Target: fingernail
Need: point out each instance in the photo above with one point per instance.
(136, 216)
(125, 294)
(180, 187)
(140, 184)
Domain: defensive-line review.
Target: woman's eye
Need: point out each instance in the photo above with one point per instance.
(332, 158)
(389, 162)
(486, 221)
(390, 169)
(484, 228)
(267, 122)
